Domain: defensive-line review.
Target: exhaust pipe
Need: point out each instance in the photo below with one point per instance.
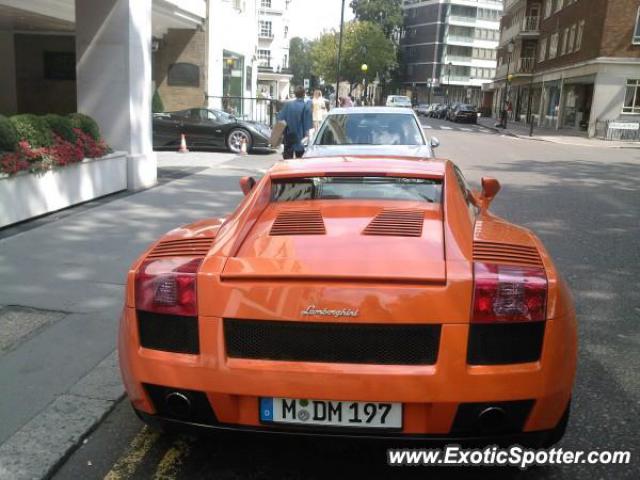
(492, 419)
(178, 405)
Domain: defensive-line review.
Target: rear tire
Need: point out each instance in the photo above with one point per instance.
(234, 140)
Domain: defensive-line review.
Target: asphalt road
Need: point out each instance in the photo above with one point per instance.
(585, 205)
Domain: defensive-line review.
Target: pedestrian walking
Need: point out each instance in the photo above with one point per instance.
(319, 109)
(298, 117)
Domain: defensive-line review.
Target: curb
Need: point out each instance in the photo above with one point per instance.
(57, 431)
(547, 140)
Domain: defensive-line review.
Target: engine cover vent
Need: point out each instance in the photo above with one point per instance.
(396, 223)
(491, 252)
(298, 222)
(187, 247)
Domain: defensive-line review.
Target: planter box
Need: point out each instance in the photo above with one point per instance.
(28, 195)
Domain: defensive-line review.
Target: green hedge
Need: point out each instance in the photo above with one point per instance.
(85, 123)
(33, 129)
(8, 136)
(61, 126)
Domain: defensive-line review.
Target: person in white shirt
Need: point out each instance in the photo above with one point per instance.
(319, 109)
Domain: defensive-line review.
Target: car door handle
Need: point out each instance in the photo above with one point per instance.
(218, 131)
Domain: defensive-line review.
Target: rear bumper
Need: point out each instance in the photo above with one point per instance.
(530, 439)
(431, 394)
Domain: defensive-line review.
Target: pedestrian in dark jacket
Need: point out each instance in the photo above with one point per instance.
(297, 114)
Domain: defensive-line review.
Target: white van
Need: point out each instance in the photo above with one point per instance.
(398, 101)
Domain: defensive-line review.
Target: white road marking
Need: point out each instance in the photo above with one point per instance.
(442, 127)
(466, 130)
(427, 126)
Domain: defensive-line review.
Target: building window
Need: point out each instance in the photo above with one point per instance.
(579, 35)
(184, 75)
(265, 29)
(286, 31)
(542, 53)
(565, 40)
(265, 4)
(632, 97)
(559, 5)
(572, 39)
(59, 66)
(636, 31)
(264, 57)
(553, 46)
(548, 8)
(285, 61)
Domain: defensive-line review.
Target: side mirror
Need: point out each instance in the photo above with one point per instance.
(434, 142)
(247, 184)
(490, 188)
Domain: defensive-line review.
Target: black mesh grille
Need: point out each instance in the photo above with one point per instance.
(504, 343)
(170, 333)
(332, 342)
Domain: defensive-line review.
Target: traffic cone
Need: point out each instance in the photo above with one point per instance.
(243, 147)
(183, 145)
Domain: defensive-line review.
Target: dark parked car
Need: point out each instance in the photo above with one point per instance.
(450, 109)
(464, 113)
(440, 112)
(206, 127)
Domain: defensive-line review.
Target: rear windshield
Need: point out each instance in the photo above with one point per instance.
(357, 188)
(467, 107)
(370, 129)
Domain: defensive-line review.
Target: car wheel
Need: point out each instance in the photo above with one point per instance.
(236, 138)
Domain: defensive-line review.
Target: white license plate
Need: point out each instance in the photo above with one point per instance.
(331, 413)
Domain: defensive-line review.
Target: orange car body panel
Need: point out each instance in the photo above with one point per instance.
(248, 274)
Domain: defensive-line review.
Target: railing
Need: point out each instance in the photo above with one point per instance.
(457, 58)
(262, 110)
(454, 78)
(461, 18)
(459, 38)
(526, 64)
(618, 130)
(530, 24)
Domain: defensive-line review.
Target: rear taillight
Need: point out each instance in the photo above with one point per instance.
(504, 293)
(168, 285)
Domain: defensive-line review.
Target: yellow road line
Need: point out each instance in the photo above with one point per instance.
(129, 461)
(172, 459)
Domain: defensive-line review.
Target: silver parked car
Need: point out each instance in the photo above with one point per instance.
(398, 101)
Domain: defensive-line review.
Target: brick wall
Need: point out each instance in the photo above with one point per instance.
(593, 13)
(618, 29)
(180, 46)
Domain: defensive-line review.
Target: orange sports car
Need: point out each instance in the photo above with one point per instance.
(362, 296)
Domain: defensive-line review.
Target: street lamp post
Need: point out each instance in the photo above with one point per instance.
(449, 65)
(505, 93)
(364, 69)
(339, 52)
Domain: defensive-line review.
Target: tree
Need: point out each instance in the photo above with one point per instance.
(363, 42)
(300, 59)
(386, 13)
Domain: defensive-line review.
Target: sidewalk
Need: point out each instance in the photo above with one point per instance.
(60, 298)
(563, 136)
